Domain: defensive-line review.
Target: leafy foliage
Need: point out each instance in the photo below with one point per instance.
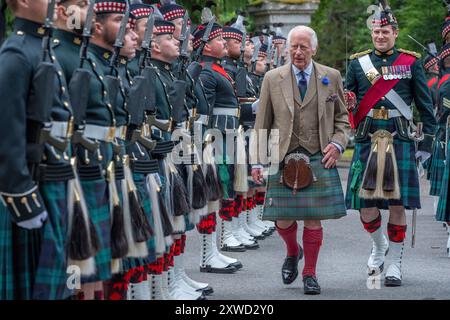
(342, 26)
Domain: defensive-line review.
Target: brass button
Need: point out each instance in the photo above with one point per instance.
(20, 33)
(60, 73)
(93, 64)
(63, 89)
(109, 105)
(384, 60)
(383, 98)
(66, 104)
(105, 93)
(101, 77)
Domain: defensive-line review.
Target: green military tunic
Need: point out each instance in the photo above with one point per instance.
(443, 136)
(33, 262)
(409, 89)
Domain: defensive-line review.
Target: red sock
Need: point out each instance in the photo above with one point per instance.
(396, 233)
(312, 240)
(289, 237)
(373, 225)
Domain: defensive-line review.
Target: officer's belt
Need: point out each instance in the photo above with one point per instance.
(373, 75)
(232, 112)
(101, 133)
(163, 147)
(121, 132)
(54, 173)
(203, 119)
(61, 129)
(384, 114)
(145, 166)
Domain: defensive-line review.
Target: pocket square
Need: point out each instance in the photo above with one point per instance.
(332, 98)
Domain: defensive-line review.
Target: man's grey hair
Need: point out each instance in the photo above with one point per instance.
(304, 29)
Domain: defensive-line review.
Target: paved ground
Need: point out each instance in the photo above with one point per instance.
(342, 262)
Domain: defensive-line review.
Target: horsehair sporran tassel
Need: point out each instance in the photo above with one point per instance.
(135, 249)
(215, 190)
(153, 189)
(199, 192)
(119, 241)
(385, 160)
(80, 227)
(141, 227)
(370, 175)
(389, 176)
(241, 172)
(179, 193)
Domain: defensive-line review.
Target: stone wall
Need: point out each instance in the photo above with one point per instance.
(291, 13)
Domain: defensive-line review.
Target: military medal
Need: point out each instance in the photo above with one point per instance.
(391, 75)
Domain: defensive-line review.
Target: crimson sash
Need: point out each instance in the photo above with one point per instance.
(380, 89)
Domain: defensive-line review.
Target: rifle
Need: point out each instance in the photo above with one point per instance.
(112, 80)
(255, 57)
(205, 38)
(270, 53)
(241, 75)
(79, 86)
(424, 48)
(148, 72)
(283, 58)
(44, 81)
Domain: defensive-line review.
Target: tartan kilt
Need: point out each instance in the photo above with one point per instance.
(443, 210)
(226, 178)
(97, 199)
(130, 263)
(407, 171)
(19, 254)
(33, 262)
(323, 200)
(51, 276)
(437, 167)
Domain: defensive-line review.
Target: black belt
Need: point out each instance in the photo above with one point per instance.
(55, 172)
(145, 166)
(94, 172)
(119, 172)
(163, 147)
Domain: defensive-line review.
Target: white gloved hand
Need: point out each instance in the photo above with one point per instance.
(423, 156)
(34, 223)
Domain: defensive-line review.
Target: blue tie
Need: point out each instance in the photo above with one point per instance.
(302, 84)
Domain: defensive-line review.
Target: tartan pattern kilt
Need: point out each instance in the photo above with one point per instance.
(323, 200)
(443, 210)
(33, 262)
(130, 263)
(226, 178)
(407, 171)
(97, 199)
(51, 276)
(19, 254)
(437, 166)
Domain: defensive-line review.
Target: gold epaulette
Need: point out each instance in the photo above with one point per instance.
(412, 53)
(360, 54)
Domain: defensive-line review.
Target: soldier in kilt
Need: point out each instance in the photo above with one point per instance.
(301, 104)
(443, 116)
(34, 174)
(383, 173)
(431, 67)
(437, 165)
(232, 65)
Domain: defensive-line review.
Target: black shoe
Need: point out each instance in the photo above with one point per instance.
(237, 265)
(289, 271)
(311, 286)
(392, 282)
(228, 269)
(202, 298)
(206, 291)
(239, 248)
(252, 246)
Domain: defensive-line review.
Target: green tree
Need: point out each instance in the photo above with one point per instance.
(342, 27)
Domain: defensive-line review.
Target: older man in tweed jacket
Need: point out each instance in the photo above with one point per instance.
(304, 101)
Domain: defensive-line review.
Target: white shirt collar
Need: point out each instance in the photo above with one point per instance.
(308, 70)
